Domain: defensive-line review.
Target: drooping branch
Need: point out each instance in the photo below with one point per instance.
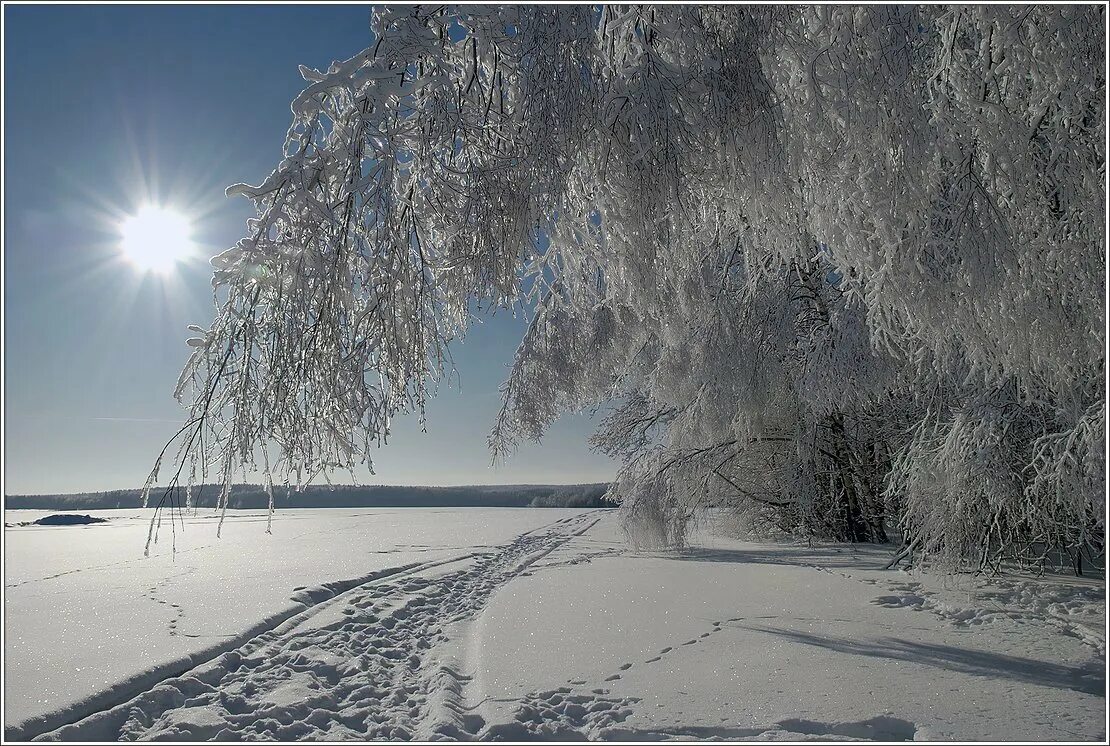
(741, 222)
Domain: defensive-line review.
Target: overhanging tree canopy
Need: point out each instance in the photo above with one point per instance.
(839, 265)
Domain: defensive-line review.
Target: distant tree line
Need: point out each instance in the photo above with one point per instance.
(255, 497)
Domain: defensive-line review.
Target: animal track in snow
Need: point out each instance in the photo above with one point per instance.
(153, 594)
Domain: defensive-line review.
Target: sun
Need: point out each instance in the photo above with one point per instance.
(155, 239)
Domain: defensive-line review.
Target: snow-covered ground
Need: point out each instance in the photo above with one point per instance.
(90, 620)
(521, 624)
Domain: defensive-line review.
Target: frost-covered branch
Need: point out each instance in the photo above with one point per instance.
(872, 232)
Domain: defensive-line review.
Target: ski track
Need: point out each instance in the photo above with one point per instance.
(366, 672)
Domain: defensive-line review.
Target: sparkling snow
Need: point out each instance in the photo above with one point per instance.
(525, 624)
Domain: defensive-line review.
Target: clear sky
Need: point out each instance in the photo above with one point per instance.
(107, 108)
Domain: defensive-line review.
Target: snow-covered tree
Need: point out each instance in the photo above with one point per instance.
(837, 268)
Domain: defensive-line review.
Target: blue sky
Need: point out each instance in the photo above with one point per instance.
(110, 107)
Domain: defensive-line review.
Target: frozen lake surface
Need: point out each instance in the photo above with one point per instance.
(87, 611)
(525, 624)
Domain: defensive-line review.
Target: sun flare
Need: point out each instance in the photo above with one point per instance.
(155, 239)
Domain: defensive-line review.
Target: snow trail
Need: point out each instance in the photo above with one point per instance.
(359, 664)
(564, 632)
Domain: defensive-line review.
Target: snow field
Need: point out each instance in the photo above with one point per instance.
(91, 622)
(737, 640)
(562, 631)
